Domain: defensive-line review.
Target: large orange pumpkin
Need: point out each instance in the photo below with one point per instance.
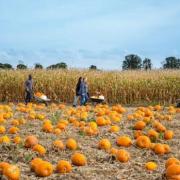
(171, 161)
(44, 169)
(78, 159)
(71, 144)
(122, 155)
(12, 172)
(31, 141)
(124, 141)
(104, 144)
(159, 149)
(168, 135)
(63, 167)
(173, 172)
(143, 142)
(140, 125)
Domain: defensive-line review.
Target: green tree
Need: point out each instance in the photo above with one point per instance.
(171, 63)
(61, 65)
(5, 66)
(21, 66)
(132, 61)
(93, 67)
(147, 64)
(38, 66)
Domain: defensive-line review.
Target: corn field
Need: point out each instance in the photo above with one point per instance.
(125, 87)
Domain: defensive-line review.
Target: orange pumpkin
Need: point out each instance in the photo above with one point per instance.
(137, 134)
(39, 149)
(12, 172)
(63, 167)
(171, 161)
(151, 166)
(71, 144)
(44, 169)
(100, 121)
(58, 144)
(143, 142)
(17, 140)
(114, 129)
(78, 159)
(35, 162)
(3, 165)
(122, 155)
(124, 141)
(2, 129)
(13, 130)
(168, 135)
(31, 141)
(113, 151)
(140, 125)
(153, 134)
(159, 149)
(104, 144)
(173, 172)
(47, 127)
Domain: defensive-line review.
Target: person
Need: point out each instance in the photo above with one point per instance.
(77, 93)
(28, 89)
(86, 91)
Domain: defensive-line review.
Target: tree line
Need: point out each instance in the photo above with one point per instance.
(131, 62)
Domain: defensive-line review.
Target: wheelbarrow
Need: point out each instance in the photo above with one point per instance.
(42, 100)
(97, 100)
(178, 103)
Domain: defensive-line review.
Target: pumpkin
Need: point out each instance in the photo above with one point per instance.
(151, 166)
(12, 172)
(114, 129)
(137, 134)
(57, 131)
(31, 141)
(47, 127)
(17, 140)
(71, 144)
(39, 149)
(153, 134)
(143, 142)
(122, 155)
(166, 148)
(58, 144)
(104, 144)
(78, 159)
(159, 127)
(3, 165)
(93, 125)
(140, 125)
(44, 169)
(63, 167)
(4, 139)
(171, 161)
(168, 135)
(15, 122)
(61, 126)
(173, 172)
(159, 149)
(130, 117)
(123, 141)
(100, 121)
(13, 130)
(113, 151)
(2, 129)
(35, 162)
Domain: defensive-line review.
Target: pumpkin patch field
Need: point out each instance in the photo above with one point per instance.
(90, 142)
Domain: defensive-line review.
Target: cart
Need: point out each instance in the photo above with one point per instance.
(178, 103)
(97, 101)
(40, 100)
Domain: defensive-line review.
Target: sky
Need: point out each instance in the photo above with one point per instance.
(85, 32)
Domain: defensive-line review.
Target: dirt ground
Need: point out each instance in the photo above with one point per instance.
(100, 164)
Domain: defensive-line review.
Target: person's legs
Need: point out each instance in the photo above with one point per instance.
(75, 100)
(28, 97)
(82, 101)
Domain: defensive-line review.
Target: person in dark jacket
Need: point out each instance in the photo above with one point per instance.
(28, 89)
(77, 93)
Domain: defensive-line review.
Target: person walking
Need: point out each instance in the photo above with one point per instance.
(86, 90)
(28, 89)
(77, 92)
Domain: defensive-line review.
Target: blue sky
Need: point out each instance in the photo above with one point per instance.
(85, 32)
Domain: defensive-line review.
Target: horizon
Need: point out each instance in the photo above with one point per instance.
(85, 33)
